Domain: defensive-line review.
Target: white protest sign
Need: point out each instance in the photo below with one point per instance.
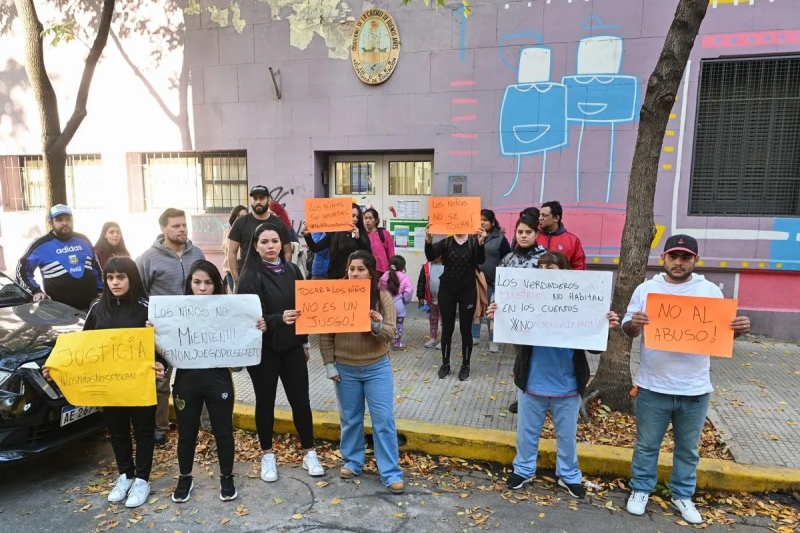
(558, 308)
(216, 331)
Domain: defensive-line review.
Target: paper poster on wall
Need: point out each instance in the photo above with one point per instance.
(105, 367)
(690, 324)
(419, 239)
(410, 230)
(332, 306)
(559, 308)
(401, 236)
(215, 331)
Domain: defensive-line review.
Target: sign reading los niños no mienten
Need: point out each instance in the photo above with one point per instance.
(375, 46)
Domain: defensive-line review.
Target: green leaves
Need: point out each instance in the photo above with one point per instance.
(59, 32)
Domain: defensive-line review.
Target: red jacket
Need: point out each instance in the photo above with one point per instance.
(565, 242)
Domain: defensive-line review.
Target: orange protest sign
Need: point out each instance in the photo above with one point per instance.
(454, 215)
(332, 306)
(690, 324)
(329, 214)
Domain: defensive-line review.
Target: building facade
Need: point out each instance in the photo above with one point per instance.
(518, 103)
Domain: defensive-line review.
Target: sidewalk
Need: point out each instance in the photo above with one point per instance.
(755, 407)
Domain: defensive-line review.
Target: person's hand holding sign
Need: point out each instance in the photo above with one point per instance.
(491, 310)
(159, 368)
(428, 236)
(375, 316)
(290, 316)
(261, 324)
(740, 325)
(613, 319)
(481, 236)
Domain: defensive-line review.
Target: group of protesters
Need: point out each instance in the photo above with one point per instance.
(263, 257)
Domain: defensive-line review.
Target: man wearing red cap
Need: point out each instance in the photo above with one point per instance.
(672, 387)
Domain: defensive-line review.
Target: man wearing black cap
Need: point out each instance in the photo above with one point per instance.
(671, 387)
(243, 228)
(69, 268)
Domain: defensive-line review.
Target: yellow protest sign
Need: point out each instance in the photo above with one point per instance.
(454, 215)
(105, 367)
(332, 306)
(690, 324)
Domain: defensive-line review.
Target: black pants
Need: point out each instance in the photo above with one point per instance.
(290, 366)
(462, 298)
(118, 420)
(193, 388)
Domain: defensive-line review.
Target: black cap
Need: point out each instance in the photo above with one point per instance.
(681, 243)
(259, 190)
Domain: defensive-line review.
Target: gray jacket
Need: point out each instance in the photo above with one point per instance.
(163, 271)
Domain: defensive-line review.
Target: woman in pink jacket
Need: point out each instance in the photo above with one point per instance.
(396, 282)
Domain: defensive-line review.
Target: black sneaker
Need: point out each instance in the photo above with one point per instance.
(160, 438)
(513, 407)
(463, 374)
(183, 491)
(444, 371)
(576, 490)
(515, 481)
(227, 490)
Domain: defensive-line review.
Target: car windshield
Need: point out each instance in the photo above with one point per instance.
(11, 293)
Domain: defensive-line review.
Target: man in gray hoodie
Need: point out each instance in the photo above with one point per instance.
(163, 267)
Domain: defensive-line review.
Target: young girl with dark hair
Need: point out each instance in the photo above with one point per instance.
(284, 353)
(212, 386)
(123, 304)
(110, 244)
(340, 244)
(358, 363)
(396, 283)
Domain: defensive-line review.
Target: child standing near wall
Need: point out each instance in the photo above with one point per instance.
(428, 294)
(396, 282)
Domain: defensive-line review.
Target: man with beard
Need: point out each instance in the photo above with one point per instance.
(66, 260)
(163, 268)
(670, 386)
(243, 228)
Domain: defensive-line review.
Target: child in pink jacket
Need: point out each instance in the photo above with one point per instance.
(396, 282)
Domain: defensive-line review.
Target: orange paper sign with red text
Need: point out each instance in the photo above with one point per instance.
(450, 215)
(690, 324)
(329, 214)
(332, 306)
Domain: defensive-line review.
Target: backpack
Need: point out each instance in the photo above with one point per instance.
(299, 258)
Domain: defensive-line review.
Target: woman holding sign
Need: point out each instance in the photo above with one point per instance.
(461, 256)
(284, 353)
(553, 379)
(340, 244)
(123, 304)
(359, 365)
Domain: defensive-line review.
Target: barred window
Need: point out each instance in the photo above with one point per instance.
(410, 177)
(355, 177)
(747, 138)
(84, 180)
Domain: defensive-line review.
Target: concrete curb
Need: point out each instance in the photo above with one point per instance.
(499, 446)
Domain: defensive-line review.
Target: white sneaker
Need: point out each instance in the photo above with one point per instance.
(438, 345)
(476, 341)
(430, 343)
(269, 469)
(311, 463)
(494, 347)
(688, 510)
(637, 502)
(120, 490)
(138, 494)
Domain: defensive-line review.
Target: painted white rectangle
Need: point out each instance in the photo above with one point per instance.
(559, 308)
(215, 331)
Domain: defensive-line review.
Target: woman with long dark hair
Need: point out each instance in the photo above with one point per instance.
(237, 212)
(284, 353)
(340, 244)
(380, 240)
(358, 363)
(496, 247)
(110, 244)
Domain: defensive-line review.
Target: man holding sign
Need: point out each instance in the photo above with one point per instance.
(672, 387)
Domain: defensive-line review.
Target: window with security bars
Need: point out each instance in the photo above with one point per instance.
(83, 174)
(355, 177)
(410, 177)
(747, 138)
(213, 182)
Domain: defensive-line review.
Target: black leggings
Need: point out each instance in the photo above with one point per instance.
(192, 388)
(118, 420)
(290, 366)
(464, 299)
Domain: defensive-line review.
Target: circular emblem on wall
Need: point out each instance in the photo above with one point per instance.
(375, 46)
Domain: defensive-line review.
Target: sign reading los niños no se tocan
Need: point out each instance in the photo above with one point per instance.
(375, 46)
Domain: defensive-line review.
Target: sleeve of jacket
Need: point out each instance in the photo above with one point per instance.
(389, 245)
(578, 260)
(434, 250)
(421, 284)
(98, 273)
(480, 254)
(326, 347)
(143, 265)
(317, 246)
(389, 313)
(505, 248)
(27, 266)
(407, 289)
(90, 322)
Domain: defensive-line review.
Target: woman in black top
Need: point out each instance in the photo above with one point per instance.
(341, 244)
(284, 353)
(461, 255)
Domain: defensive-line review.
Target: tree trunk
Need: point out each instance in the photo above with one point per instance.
(613, 378)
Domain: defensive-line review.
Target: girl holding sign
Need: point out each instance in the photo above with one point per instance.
(123, 304)
(340, 244)
(551, 379)
(284, 353)
(358, 363)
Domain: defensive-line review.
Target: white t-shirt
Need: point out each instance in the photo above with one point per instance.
(671, 372)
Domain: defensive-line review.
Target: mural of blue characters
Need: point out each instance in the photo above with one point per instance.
(786, 252)
(598, 94)
(533, 113)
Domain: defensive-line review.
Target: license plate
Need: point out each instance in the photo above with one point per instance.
(71, 413)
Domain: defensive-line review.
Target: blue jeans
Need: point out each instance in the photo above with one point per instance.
(530, 419)
(375, 384)
(476, 328)
(654, 412)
